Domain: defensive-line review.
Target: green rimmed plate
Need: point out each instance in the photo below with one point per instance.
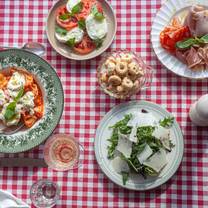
(135, 181)
(53, 100)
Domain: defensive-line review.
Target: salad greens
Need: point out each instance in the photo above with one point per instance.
(125, 176)
(167, 122)
(186, 44)
(144, 137)
(121, 125)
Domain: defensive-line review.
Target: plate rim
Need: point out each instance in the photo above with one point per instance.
(136, 102)
(26, 147)
(183, 4)
(83, 57)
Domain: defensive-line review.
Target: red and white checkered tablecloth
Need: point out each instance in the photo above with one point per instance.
(24, 20)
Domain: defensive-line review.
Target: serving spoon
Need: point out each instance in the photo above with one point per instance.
(34, 47)
(12, 129)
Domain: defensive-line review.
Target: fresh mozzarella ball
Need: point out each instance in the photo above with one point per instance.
(71, 3)
(76, 33)
(27, 102)
(16, 82)
(96, 29)
(2, 98)
(13, 121)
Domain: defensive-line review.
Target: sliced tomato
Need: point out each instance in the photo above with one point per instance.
(87, 6)
(85, 46)
(67, 24)
(172, 34)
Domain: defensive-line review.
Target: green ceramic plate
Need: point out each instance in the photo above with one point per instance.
(103, 133)
(53, 100)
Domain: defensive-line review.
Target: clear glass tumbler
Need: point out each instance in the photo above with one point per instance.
(63, 152)
(44, 193)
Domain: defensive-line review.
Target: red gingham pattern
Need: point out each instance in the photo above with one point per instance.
(24, 20)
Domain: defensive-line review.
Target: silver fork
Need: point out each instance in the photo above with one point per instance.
(11, 129)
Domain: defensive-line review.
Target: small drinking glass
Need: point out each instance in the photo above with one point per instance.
(63, 152)
(44, 193)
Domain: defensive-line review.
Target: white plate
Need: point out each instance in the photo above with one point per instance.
(162, 19)
(103, 133)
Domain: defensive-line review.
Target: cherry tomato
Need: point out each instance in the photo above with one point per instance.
(172, 34)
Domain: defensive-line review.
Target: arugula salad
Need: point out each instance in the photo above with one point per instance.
(139, 144)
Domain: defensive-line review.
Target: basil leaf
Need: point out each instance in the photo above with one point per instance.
(97, 15)
(98, 43)
(64, 16)
(19, 95)
(10, 111)
(61, 30)
(71, 42)
(77, 8)
(204, 38)
(81, 24)
(185, 44)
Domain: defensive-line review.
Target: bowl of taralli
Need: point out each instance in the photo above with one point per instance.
(123, 73)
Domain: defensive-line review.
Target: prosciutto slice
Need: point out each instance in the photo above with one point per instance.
(195, 58)
(197, 20)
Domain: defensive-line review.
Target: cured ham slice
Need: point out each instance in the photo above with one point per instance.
(193, 58)
(197, 20)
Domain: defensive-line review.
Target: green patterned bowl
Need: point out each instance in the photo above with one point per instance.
(53, 100)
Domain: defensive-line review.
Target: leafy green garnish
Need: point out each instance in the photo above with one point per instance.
(186, 44)
(98, 43)
(149, 171)
(71, 42)
(204, 38)
(97, 15)
(81, 24)
(122, 122)
(144, 132)
(144, 137)
(125, 176)
(167, 122)
(19, 95)
(64, 16)
(113, 143)
(118, 127)
(171, 144)
(10, 110)
(77, 9)
(60, 30)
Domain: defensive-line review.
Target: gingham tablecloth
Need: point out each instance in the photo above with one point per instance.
(24, 20)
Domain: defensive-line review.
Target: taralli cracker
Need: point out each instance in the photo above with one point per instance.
(122, 74)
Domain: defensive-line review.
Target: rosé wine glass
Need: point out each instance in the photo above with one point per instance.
(63, 152)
